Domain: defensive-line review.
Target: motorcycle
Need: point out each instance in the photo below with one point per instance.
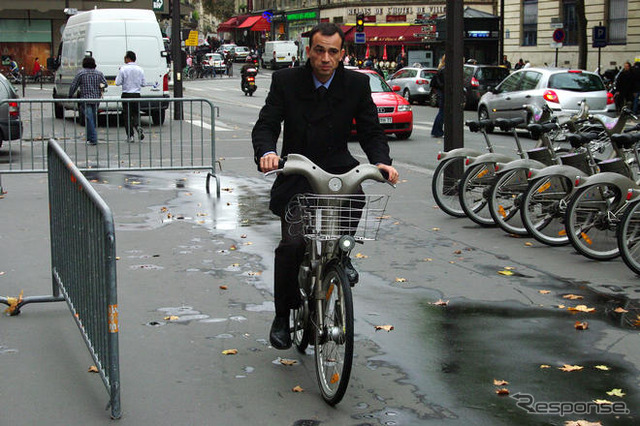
(248, 83)
(252, 59)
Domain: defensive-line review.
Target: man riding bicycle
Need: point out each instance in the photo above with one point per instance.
(318, 103)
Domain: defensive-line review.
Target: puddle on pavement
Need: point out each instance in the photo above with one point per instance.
(5, 350)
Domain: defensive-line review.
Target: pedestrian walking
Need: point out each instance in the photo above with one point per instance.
(438, 82)
(624, 86)
(506, 62)
(228, 61)
(37, 70)
(635, 72)
(131, 78)
(317, 103)
(90, 82)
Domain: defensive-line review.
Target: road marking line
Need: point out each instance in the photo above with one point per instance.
(208, 126)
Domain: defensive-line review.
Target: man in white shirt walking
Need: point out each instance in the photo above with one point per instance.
(131, 78)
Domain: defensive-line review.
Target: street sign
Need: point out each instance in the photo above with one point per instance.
(559, 35)
(360, 38)
(192, 40)
(158, 5)
(555, 45)
(599, 36)
(556, 25)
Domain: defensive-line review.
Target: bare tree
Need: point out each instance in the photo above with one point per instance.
(221, 9)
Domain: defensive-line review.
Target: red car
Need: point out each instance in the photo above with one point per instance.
(394, 111)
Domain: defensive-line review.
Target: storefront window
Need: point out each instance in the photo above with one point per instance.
(570, 21)
(530, 23)
(618, 21)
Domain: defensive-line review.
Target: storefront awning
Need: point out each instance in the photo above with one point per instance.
(379, 35)
(229, 25)
(256, 23)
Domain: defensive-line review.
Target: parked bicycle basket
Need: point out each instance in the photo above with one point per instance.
(328, 217)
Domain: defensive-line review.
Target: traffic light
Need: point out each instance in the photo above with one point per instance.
(360, 22)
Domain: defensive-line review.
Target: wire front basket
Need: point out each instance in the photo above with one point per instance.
(328, 217)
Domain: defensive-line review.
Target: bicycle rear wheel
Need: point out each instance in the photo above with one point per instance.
(543, 208)
(505, 201)
(334, 346)
(474, 192)
(629, 237)
(445, 184)
(591, 221)
(299, 324)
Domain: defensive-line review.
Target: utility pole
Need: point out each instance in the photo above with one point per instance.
(176, 54)
(453, 114)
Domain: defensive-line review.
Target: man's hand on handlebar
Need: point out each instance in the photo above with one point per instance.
(389, 172)
(269, 162)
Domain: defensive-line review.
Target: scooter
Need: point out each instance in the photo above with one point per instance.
(248, 84)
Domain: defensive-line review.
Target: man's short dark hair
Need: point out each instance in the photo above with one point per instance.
(88, 62)
(130, 55)
(326, 29)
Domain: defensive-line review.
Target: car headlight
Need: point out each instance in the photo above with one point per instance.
(404, 108)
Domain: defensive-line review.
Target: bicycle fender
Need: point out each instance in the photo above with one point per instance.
(523, 163)
(490, 157)
(459, 152)
(568, 172)
(616, 179)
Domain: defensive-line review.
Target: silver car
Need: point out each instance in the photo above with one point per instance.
(240, 53)
(415, 83)
(561, 89)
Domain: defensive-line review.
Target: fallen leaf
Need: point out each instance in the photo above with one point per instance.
(545, 366)
(227, 189)
(451, 262)
(386, 216)
(602, 401)
(229, 352)
(528, 244)
(616, 392)
(581, 308)
(297, 389)
(387, 328)
(544, 291)
(288, 362)
(202, 214)
(581, 325)
(248, 243)
(401, 280)
(233, 247)
(243, 236)
(223, 287)
(93, 369)
(435, 229)
(568, 367)
(361, 256)
(13, 303)
(457, 252)
(1, 273)
(164, 210)
(509, 268)
(335, 378)
(117, 257)
(561, 306)
(620, 310)
(572, 296)
(502, 391)
(235, 265)
(172, 318)
(255, 273)
(427, 259)
(507, 273)
(440, 302)
(603, 367)
(497, 382)
(436, 207)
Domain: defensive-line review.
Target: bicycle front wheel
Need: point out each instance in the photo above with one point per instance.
(591, 221)
(629, 237)
(505, 201)
(474, 192)
(445, 184)
(299, 324)
(543, 207)
(334, 343)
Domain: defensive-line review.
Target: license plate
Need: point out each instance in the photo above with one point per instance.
(386, 120)
(111, 82)
(281, 58)
(252, 83)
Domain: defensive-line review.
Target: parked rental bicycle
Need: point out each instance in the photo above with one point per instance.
(332, 220)
(629, 232)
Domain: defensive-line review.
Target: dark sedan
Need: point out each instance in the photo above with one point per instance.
(10, 124)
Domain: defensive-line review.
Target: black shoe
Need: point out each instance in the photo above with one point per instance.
(351, 272)
(279, 336)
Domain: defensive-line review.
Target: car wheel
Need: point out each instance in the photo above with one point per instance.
(407, 95)
(403, 136)
(158, 116)
(483, 114)
(58, 110)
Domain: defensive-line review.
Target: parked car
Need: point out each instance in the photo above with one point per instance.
(240, 53)
(478, 79)
(561, 89)
(394, 112)
(415, 84)
(10, 123)
(226, 48)
(217, 62)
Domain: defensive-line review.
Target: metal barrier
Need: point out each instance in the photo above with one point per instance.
(83, 265)
(186, 144)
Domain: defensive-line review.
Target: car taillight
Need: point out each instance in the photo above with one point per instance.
(575, 71)
(421, 81)
(610, 99)
(14, 109)
(475, 82)
(165, 83)
(550, 96)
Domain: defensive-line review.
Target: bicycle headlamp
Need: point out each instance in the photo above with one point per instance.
(346, 243)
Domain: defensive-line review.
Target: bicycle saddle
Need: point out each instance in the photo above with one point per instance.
(538, 130)
(507, 124)
(625, 140)
(580, 139)
(476, 126)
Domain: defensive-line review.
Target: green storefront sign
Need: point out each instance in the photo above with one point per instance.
(302, 16)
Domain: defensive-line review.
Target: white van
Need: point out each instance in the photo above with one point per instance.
(107, 34)
(278, 54)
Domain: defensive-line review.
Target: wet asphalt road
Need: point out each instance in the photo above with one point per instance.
(437, 366)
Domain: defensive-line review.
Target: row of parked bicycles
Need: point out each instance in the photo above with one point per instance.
(579, 185)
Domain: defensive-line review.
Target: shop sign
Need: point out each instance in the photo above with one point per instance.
(302, 16)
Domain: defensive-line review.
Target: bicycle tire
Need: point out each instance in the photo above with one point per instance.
(629, 237)
(445, 186)
(543, 209)
(505, 201)
(299, 325)
(334, 347)
(591, 223)
(474, 192)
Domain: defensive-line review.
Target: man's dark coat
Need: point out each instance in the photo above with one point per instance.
(318, 129)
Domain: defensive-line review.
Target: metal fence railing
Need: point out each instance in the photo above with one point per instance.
(168, 144)
(83, 266)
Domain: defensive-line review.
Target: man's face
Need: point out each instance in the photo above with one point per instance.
(324, 54)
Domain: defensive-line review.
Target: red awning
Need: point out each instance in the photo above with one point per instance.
(228, 25)
(390, 35)
(249, 22)
(261, 25)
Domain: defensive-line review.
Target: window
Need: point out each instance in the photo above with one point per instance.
(511, 83)
(617, 27)
(570, 21)
(530, 80)
(576, 82)
(530, 23)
